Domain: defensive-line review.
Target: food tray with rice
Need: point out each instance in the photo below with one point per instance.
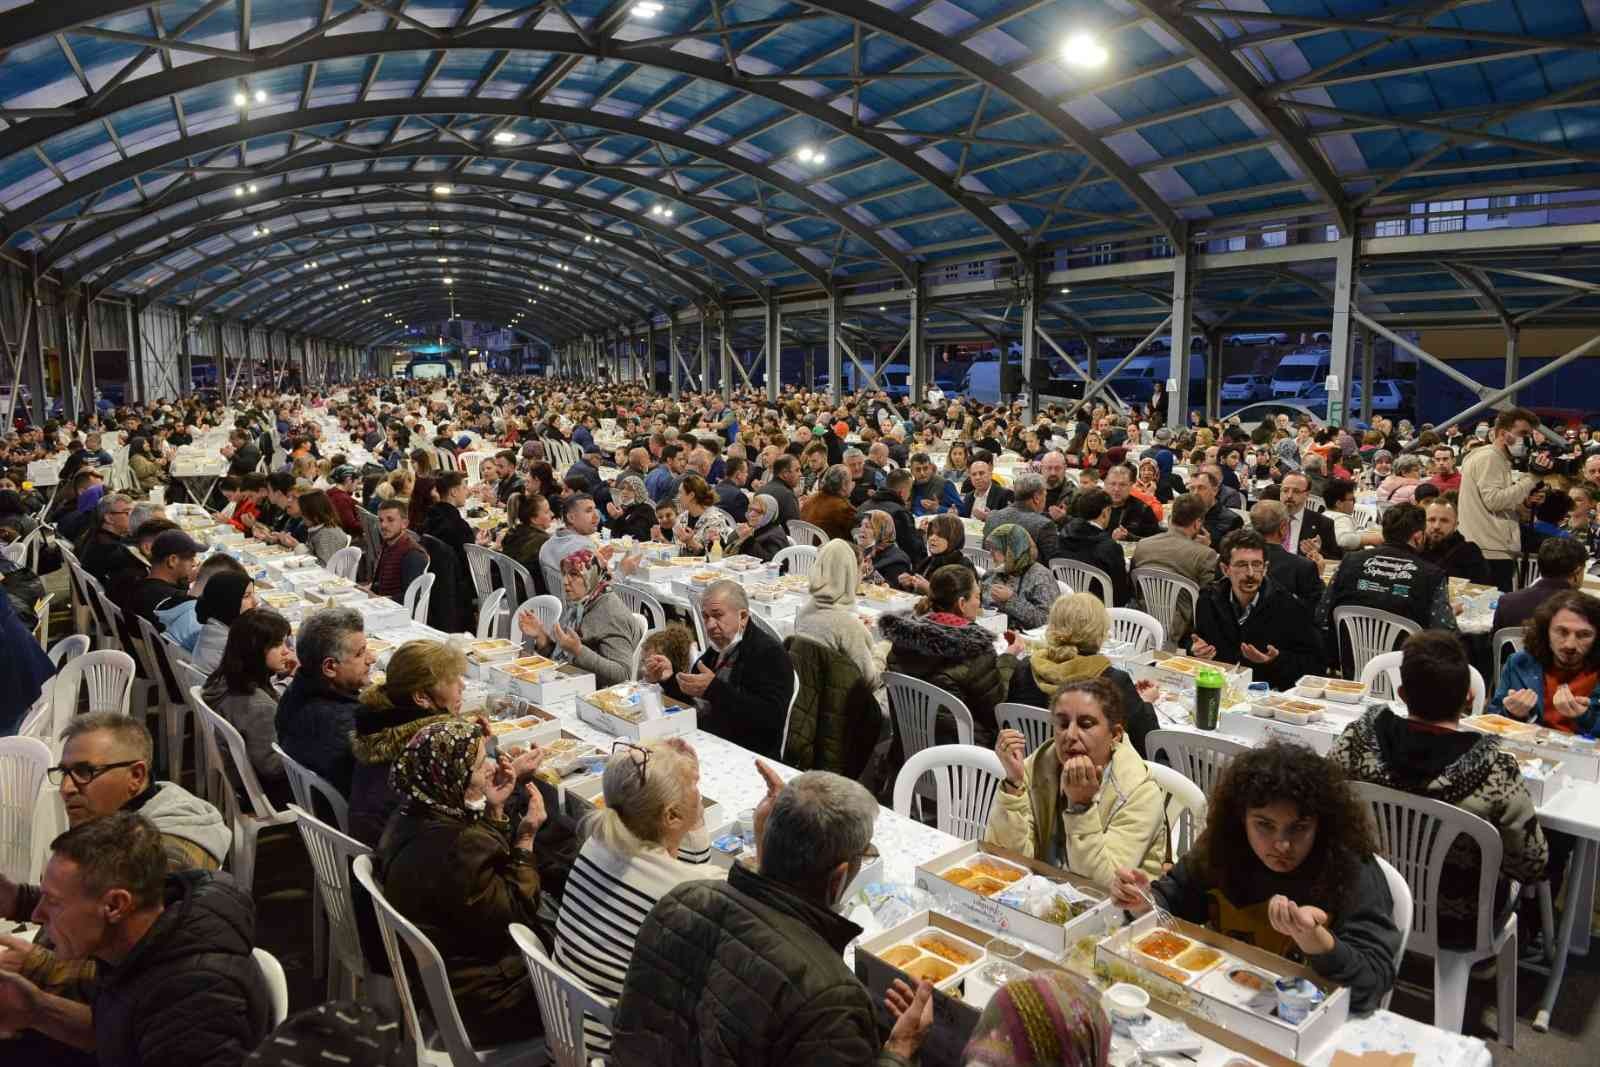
(1002, 890)
(540, 680)
(620, 711)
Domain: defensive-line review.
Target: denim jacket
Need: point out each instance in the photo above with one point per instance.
(1522, 671)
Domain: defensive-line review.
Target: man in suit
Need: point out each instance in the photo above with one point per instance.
(1301, 577)
(1249, 618)
(1184, 550)
(1561, 564)
(1220, 519)
(1306, 533)
(987, 495)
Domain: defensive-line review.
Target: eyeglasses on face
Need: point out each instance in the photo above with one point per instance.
(84, 773)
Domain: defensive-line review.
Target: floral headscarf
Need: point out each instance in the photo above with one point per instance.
(875, 531)
(1049, 1017)
(1017, 546)
(633, 485)
(596, 580)
(437, 763)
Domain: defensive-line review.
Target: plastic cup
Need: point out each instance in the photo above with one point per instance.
(1001, 964)
(747, 827)
(1126, 1004)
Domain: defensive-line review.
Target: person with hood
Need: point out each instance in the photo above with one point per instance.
(316, 714)
(829, 617)
(1078, 626)
(931, 492)
(1018, 585)
(225, 597)
(1426, 753)
(452, 861)
(1147, 487)
(882, 559)
(243, 690)
(761, 536)
(630, 512)
(939, 643)
(180, 983)
(1444, 547)
(946, 537)
(595, 632)
(1087, 538)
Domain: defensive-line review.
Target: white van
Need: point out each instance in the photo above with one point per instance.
(1298, 372)
(1136, 382)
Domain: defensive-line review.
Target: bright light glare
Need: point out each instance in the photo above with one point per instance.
(646, 9)
(1082, 50)
(504, 137)
(441, 190)
(240, 100)
(805, 153)
(261, 96)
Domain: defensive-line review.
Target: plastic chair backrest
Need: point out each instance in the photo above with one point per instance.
(642, 601)
(1415, 834)
(564, 1003)
(107, 674)
(210, 780)
(1503, 638)
(514, 579)
(1159, 590)
(1316, 503)
(230, 746)
(1200, 758)
(547, 609)
(966, 779)
(277, 985)
(1140, 628)
(980, 559)
(805, 534)
(916, 705)
(1033, 723)
(489, 614)
(417, 596)
(157, 663)
(1364, 516)
(68, 649)
(307, 786)
(346, 562)
(1400, 894)
(41, 610)
(1186, 806)
(766, 627)
(1085, 577)
(1386, 669)
(23, 762)
(397, 930)
(331, 851)
(480, 565)
(800, 558)
(1371, 632)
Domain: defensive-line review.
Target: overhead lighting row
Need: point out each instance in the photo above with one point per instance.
(243, 99)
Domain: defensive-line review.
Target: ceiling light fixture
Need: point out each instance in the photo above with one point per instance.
(240, 100)
(1065, 291)
(504, 137)
(814, 156)
(238, 190)
(449, 281)
(251, 186)
(661, 211)
(261, 96)
(1082, 50)
(441, 190)
(646, 9)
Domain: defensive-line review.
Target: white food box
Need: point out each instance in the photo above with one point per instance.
(1543, 778)
(1162, 668)
(675, 720)
(540, 728)
(1319, 734)
(989, 913)
(556, 685)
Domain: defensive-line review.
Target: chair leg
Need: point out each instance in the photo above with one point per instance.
(1451, 971)
(245, 830)
(1547, 921)
(321, 956)
(1506, 989)
(173, 715)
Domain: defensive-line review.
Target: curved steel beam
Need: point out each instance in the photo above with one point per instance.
(324, 246)
(420, 308)
(228, 136)
(1244, 88)
(301, 280)
(422, 311)
(496, 298)
(465, 213)
(305, 314)
(354, 45)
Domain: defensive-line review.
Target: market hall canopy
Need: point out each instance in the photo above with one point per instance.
(579, 164)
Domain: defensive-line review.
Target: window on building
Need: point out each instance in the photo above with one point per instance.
(1274, 237)
(1440, 219)
(1390, 228)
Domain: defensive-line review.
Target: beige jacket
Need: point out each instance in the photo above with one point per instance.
(1491, 492)
(1125, 824)
(1174, 552)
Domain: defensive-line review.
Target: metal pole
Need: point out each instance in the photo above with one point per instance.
(185, 359)
(674, 369)
(135, 353)
(1099, 384)
(1344, 281)
(65, 358)
(1427, 357)
(1213, 359)
(915, 344)
(774, 344)
(835, 358)
(726, 364)
(1178, 362)
(1513, 359)
(1030, 342)
(1368, 354)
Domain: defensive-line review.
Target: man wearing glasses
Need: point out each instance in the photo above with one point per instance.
(106, 548)
(105, 769)
(1251, 619)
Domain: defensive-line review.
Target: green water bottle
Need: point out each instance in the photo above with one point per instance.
(1208, 684)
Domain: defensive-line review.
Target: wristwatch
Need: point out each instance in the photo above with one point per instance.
(1013, 788)
(1079, 809)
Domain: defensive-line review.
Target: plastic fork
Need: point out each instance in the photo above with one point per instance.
(1163, 916)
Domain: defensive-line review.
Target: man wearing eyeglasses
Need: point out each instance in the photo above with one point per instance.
(105, 549)
(105, 769)
(1252, 620)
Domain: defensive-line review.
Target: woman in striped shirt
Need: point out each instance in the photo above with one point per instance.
(649, 837)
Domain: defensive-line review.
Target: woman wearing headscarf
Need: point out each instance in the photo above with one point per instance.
(829, 617)
(1147, 487)
(453, 863)
(946, 536)
(1288, 457)
(1018, 584)
(595, 632)
(223, 599)
(766, 538)
(882, 559)
(1047, 1017)
(630, 512)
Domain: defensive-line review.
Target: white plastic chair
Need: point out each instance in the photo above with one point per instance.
(1159, 590)
(277, 985)
(1186, 807)
(1200, 758)
(980, 559)
(1140, 628)
(1032, 723)
(642, 601)
(228, 744)
(1364, 516)
(1502, 639)
(1371, 632)
(345, 562)
(490, 614)
(417, 596)
(1381, 676)
(515, 579)
(1415, 834)
(564, 1003)
(451, 1033)
(331, 852)
(635, 673)
(23, 762)
(68, 649)
(966, 779)
(207, 760)
(800, 558)
(308, 787)
(1400, 894)
(169, 703)
(480, 566)
(805, 534)
(916, 705)
(1085, 577)
(108, 675)
(547, 609)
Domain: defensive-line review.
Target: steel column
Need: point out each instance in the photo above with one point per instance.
(774, 345)
(915, 344)
(135, 352)
(835, 357)
(1495, 396)
(675, 375)
(726, 363)
(1214, 374)
(1344, 283)
(1513, 359)
(1030, 342)
(1182, 331)
(65, 357)
(705, 355)
(1368, 358)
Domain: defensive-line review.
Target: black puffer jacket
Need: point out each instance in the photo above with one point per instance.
(189, 993)
(960, 659)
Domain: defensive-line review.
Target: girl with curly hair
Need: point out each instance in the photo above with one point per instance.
(1287, 862)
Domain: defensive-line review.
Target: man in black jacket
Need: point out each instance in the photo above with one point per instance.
(1087, 539)
(178, 983)
(785, 476)
(1220, 520)
(172, 569)
(1131, 518)
(317, 713)
(1561, 564)
(730, 491)
(742, 684)
(105, 549)
(1444, 546)
(1250, 619)
(1299, 575)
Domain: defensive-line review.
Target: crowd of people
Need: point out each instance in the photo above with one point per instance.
(144, 953)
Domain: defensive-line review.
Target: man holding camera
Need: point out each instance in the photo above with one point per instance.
(1493, 493)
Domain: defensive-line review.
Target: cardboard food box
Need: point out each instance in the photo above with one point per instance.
(1199, 992)
(1250, 724)
(1178, 671)
(1579, 756)
(540, 680)
(536, 727)
(693, 584)
(1544, 778)
(492, 650)
(975, 902)
(611, 710)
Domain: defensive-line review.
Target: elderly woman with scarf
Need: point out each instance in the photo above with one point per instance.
(763, 536)
(829, 617)
(452, 862)
(882, 559)
(595, 632)
(630, 512)
(1018, 585)
(225, 597)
